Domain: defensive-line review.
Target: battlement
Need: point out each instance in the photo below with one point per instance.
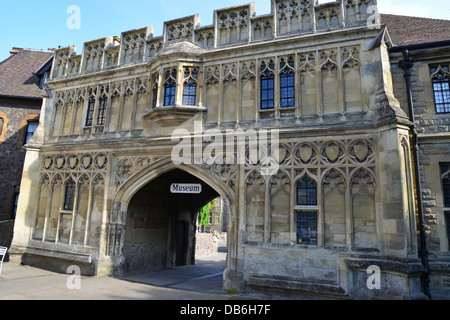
(231, 26)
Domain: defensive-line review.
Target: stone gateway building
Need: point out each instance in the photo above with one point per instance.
(292, 118)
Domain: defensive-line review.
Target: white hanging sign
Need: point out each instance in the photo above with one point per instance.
(186, 188)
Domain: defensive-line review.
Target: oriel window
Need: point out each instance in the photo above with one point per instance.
(287, 83)
(440, 77)
(267, 85)
(69, 196)
(190, 86)
(170, 84)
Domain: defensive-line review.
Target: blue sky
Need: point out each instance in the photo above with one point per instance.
(43, 24)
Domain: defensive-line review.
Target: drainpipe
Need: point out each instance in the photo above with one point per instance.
(406, 64)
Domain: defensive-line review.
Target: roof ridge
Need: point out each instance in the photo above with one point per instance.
(416, 17)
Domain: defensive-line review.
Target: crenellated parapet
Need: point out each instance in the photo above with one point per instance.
(238, 25)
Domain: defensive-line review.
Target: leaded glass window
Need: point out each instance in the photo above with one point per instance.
(287, 83)
(90, 112)
(267, 85)
(170, 84)
(441, 88)
(103, 103)
(69, 195)
(306, 223)
(306, 192)
(190, 86)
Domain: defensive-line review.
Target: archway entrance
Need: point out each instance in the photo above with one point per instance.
(161, 222)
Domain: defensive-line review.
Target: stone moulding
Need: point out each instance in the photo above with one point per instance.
(173, 116)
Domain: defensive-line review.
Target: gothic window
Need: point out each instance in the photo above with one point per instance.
(90, 112)
(170, 87)
(190, 86)
(287, 83)
(445, 174)
(306, 223)
(69, 196)
(440, 76)
(31, 128)
(103, 103)
(267, 85)
(306, 192)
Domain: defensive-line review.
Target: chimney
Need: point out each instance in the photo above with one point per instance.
(15, 51)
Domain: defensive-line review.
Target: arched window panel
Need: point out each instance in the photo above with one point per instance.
(267, 79)
(69, 196)
(170, 84)
(440, 76)
(103, 103)
(287, 83)
(306, 192)
(90, 112)
(190, 86)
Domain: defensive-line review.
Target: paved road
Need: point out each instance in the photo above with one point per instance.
(200, 282)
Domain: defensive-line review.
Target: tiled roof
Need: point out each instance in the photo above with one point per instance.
(17, 76)
(413, 30)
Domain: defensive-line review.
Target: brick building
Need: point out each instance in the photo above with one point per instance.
(21, 79)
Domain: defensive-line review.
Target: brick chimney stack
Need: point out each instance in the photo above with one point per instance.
(15, 51)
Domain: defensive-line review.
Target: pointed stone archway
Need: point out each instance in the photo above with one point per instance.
(121, 230)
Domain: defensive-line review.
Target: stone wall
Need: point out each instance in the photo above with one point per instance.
(14, 115)
(205, 244)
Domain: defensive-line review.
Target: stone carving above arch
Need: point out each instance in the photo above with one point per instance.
(96, 161)
(334, 177)
(362, 177)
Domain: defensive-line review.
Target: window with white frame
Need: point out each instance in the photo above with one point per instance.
(440, 77)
